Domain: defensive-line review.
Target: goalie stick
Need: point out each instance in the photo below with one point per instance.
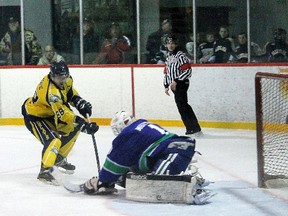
(76, 188)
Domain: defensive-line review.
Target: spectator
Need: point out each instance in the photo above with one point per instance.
(66, 26)
(241, 51)
(50, 55)
(176, 77)
(10, 44)
(206, 48)
(188, 21)
(277, 51)
(36, 52)
(156, 43)
(189, 47)
(190, 51)
(223, 47)
(114, 47)
(32, 48)
(90, 40)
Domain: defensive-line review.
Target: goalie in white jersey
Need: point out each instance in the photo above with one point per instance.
(142, 147)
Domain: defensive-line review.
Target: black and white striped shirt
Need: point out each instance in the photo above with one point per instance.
(177, 68)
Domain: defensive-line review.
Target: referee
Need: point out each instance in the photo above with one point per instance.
(177, 72)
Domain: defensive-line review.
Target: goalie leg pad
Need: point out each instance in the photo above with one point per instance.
(165, 189)
(174, 160)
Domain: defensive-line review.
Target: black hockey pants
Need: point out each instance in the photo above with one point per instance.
(187, 114)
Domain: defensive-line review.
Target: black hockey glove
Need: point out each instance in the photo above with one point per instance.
(85, 127)
(94, 186)
(82, 106)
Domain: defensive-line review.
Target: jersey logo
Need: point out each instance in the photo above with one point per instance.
(54, 98)
(180, 145)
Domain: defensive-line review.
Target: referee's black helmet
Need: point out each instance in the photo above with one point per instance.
(171, 38)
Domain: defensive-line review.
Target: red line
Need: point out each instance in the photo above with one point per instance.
(149, 65)
(17, 170)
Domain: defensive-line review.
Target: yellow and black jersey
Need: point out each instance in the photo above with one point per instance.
(49, 101)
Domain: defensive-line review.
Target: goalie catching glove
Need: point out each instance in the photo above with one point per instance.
(85, 127)
(93, 186)
(82, 106)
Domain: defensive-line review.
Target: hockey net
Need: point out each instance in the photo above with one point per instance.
(272, 129)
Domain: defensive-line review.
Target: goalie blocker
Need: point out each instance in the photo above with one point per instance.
(165, 189)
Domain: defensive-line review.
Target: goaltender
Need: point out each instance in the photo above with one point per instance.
(143, 147)
(50, 119)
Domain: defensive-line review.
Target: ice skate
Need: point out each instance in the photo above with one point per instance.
(46, 177)
(193, 134)
(63, 165)
(202, 196)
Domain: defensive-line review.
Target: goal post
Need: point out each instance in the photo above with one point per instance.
(271, 97)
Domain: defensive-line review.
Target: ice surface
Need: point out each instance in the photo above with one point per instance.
(228, 158)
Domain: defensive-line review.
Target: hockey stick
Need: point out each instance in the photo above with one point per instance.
(95, 146)
(61, 180)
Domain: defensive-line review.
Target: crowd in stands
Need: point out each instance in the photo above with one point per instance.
(220, 47)
(114, 47)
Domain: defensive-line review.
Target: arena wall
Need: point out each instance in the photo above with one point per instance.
(221, 97)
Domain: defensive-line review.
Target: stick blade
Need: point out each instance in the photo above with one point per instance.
(73, 188)
(69, 186)
(76, 188)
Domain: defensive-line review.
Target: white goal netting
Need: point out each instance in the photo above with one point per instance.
(272, 129)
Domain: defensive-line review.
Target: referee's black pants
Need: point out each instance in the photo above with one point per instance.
(187, 114)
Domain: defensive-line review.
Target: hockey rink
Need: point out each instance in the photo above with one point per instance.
(228, 158)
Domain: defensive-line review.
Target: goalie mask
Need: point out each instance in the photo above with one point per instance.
(121, 120)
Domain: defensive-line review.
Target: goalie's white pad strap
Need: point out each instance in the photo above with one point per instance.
(160, 188)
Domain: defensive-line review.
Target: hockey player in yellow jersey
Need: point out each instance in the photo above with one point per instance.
(50, 119)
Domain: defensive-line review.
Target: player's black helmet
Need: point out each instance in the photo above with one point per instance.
(59, 68)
